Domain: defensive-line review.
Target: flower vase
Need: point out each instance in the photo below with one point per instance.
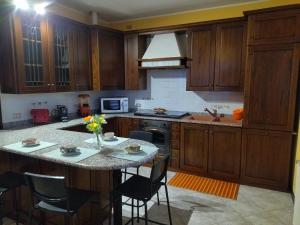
(98, 141)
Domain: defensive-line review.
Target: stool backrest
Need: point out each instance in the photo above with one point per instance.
(141, 135)
(47, 188)
(159, 169)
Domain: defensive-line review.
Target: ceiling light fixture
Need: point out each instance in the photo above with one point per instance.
(21, 4)
(40, 8)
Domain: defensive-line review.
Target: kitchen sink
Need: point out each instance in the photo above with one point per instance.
(204, 117)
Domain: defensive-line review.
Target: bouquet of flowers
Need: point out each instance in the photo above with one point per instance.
(94, 124)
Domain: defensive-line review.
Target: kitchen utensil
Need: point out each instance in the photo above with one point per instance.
(40, 116)
(60, 113)
(84, 104)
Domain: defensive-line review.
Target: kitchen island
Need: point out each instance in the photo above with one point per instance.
(98, 173)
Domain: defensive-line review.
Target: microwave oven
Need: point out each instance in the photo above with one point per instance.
(114, 105)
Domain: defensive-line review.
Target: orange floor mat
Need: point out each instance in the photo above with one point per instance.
(206, 185)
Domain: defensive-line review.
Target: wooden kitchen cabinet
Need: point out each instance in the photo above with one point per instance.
(230, 56)
(194, 148)
(107, 48)
(135, 79)
(274, 26)
(111, 60)
(266, 158)
(271, 86)
(175, 146)
(125, 125)
(202, 46)
(24, 53)
(43, 54)
(82, 58)
(69, 55)
(217, 55)
(61, 47)
(224, 153)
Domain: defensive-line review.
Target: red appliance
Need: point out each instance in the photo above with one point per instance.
(40, 116)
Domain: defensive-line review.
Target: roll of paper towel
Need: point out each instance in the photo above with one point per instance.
(297, 198)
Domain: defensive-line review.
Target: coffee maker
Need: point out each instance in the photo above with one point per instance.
(60, 113)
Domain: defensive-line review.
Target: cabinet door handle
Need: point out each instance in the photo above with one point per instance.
(52, 84)
(48, 84)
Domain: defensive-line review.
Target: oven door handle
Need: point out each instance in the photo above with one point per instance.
(155, 129)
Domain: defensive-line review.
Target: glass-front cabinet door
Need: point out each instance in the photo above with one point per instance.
(31, 53)
(61, 52)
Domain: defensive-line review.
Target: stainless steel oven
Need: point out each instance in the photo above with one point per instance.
(161, 131)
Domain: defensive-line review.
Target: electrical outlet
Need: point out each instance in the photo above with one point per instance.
(17, 115)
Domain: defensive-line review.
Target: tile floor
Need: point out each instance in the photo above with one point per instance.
(254, 206)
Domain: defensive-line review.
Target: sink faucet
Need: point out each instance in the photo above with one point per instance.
(214, 114)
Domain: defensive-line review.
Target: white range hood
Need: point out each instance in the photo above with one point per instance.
(163, 51)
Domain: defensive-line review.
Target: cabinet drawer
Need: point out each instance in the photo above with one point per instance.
(274, 27)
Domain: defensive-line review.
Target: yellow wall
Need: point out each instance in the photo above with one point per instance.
(297, 156)
(199, 15)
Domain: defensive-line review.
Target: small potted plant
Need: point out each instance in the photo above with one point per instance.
(94, 124)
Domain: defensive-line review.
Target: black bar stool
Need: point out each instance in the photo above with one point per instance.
(138, 135)
(143, 189)
(49, 194)
(9, 181)
(143, 136)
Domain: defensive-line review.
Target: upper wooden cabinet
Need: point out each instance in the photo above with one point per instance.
(42, 55)
(135, 79)
(25, 65)
(271, 86)
(82, 58)
(266, 158)
(230, 56)
(61, 47)
(217, 57)
(202, 52)
(277, 26)
(108, 59)
(112, 60)
(194, 148)
(224, 152)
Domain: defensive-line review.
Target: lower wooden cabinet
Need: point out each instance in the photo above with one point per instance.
(224, 153)
(125, 125)
(175, 146)
(212, 151)
(194, 148)
(266, 158)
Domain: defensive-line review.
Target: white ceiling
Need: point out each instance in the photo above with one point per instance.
(115, 10)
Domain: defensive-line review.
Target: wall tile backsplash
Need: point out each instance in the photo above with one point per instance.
(166, 89)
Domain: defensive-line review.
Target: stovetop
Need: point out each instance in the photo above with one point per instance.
(167, 114)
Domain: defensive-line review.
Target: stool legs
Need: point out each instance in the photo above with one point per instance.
(168, 204)
(1, 216)
(30, 217)
(146, 213)
(15, 203)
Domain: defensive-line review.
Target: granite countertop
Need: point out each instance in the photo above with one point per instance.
(52, 133)
(101, 161)
(227, 120)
